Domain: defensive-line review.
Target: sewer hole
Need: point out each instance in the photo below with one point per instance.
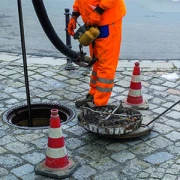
(40, 113)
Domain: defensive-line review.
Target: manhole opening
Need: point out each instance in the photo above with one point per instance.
(18, 116)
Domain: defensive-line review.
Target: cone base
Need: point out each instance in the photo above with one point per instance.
(143, 106)
(58, 173)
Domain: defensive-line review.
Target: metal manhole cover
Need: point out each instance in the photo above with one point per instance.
(110, 120)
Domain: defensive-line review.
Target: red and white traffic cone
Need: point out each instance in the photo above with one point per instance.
(135, 98)
(57, 164)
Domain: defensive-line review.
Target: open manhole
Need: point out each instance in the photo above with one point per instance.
(18, 115)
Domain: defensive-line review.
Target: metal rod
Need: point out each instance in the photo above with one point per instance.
(163, 112)
(24, 61)
(119, 106)
(69, 65)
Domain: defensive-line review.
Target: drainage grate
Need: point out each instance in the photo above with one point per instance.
(41, 112)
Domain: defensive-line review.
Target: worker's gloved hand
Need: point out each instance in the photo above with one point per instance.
(72, 25)
(94, 19)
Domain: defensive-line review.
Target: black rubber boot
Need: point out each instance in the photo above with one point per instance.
(83, 102)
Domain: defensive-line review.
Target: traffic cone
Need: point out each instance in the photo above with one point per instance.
(135, 98)
(57, 164)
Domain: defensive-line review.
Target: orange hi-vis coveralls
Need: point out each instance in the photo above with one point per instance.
(106, 47)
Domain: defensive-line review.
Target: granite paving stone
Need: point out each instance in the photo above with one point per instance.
(134, 167)
(158, 101)
(122, 156)
(174, 171)
(84, 172)
(159, 142)
(175, 124)
(177, 107)
(43, 95)
(104, 164)
(169, 177)
(173, 97)
(133, 142)
(116, 146)
(9, 177)
(108, 176)
(143, 175)
(158, 158)
(9, 160)
(174, 114)
(158, 88)
(32, 176)
(22, 170)
(2, 150)
(152, 156)
(2, 133)
(77, 130)
(40, 143)
(175, 166)
(158, 173)
(48, 73)
(19, 95)
(18, 147)
(7, 139)
(174, 150)
(157, 81)
(123, 83)
(93, 151)
(162, 128)
(3, 172)
(173, 136)
(73, 143)
(34, 158)
(174, 91)
(141, 149)
(103, 141)
(11, 101)
(159, 110)
(151, 135)
(170, 84)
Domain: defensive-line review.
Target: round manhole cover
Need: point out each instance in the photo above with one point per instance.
(103, 121)
(18, 115)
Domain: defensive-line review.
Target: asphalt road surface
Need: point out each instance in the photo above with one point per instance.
(151, 29)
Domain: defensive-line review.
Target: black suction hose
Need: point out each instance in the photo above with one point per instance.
(50, 32)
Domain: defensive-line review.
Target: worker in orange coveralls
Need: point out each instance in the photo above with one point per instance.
(107, 16)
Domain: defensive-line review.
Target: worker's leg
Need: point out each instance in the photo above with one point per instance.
(107, 51)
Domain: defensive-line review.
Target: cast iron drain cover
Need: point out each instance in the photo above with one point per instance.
(110, 120)
(18, 115)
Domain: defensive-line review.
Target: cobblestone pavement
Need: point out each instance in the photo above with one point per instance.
(153, 156)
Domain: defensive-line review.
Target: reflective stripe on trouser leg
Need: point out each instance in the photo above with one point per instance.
(107, 51)
(93, 79)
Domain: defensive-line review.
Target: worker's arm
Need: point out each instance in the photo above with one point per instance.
(107, 4)
(75, 9)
